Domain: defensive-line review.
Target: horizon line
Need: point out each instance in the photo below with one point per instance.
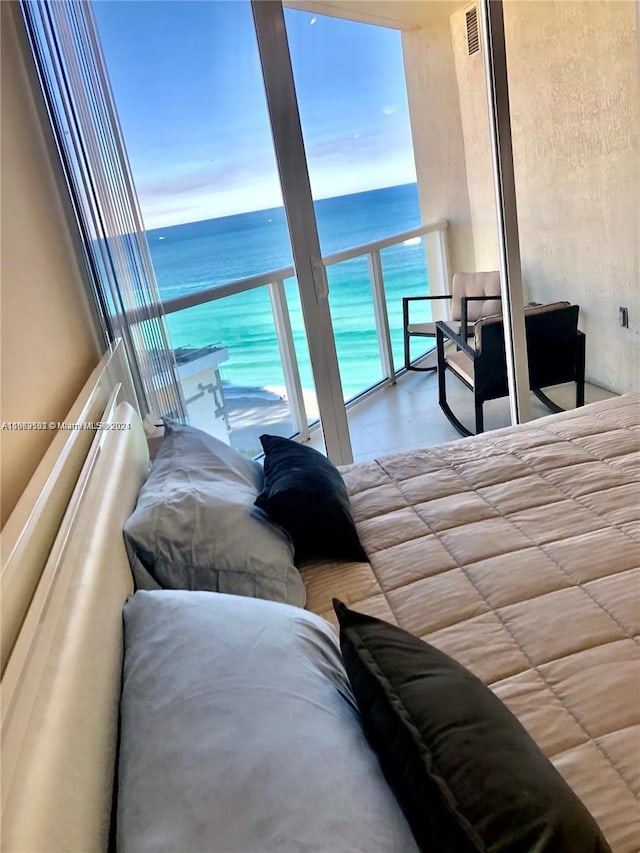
(279, 207)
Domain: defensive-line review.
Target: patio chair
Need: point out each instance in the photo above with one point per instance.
(473, 295)
(556, 354)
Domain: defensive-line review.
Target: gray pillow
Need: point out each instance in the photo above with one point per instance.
(195, 525)
(240, 734)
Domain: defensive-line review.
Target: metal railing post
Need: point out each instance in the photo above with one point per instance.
(288, 356)
(376, 280)
(444, 265)
(437, 259)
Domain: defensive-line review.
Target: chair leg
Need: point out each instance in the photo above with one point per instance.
(579, 380)
(407, 358)
(407, 354)
(547, 401)
(580, 367)
(479, 414)
(442, 388)
(422, 369)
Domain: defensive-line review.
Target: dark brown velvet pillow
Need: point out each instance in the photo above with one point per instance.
(464, 770)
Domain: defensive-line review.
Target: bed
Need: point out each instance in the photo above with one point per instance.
(516, 552)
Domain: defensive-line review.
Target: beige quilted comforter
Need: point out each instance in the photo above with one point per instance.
(518, 553)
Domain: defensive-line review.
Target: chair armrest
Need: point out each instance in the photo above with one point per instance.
(460, 340)
(422, 298)
(463, 306)
(407, 299)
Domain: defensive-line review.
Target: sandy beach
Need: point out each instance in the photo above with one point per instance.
(252, 412)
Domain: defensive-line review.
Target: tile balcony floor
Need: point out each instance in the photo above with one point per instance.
(406, 415)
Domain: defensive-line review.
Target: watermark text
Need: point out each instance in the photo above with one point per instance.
(65, 426)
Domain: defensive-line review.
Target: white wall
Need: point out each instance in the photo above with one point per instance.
(48, 339)
(574, 98)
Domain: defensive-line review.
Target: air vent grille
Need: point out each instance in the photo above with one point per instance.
(473, 36)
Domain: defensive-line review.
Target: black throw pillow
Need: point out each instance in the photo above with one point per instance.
(465, 772)
(305, 493)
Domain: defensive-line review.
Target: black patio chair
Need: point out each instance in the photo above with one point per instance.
(473, 295)
(555, 349)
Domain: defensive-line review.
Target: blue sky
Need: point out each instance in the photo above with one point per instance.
(188, 88)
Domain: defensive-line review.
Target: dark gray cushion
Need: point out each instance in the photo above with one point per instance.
(240, 734)
(305, 493)
(195, 525)
(465, 771)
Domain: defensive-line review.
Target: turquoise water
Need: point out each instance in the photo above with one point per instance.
(198, 255)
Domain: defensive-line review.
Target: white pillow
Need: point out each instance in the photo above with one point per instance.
(240, 734)
(195, 525)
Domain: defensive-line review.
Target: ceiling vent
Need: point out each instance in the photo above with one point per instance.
(473, 36)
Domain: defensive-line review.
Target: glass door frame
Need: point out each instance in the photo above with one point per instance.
(512, 291)
(313, 285)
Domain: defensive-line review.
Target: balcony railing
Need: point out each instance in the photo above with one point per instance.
(436, 256)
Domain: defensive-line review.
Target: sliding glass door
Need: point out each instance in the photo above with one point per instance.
(352, 98)
(224, 191)
(206, 98)
(310, 270)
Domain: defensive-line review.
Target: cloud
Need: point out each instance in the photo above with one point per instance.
(202, 177)
(179, 185)
(208, 194)
(212, 185)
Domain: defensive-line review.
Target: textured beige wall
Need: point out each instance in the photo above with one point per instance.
(48, 342)
(448, 106)
(472, 93)
(437, 136)
(575, 96)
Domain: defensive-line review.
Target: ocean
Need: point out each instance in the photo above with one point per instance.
(198, 255)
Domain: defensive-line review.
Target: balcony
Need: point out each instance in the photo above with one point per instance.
(260, 380)
(388, 409)
(406, 415)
